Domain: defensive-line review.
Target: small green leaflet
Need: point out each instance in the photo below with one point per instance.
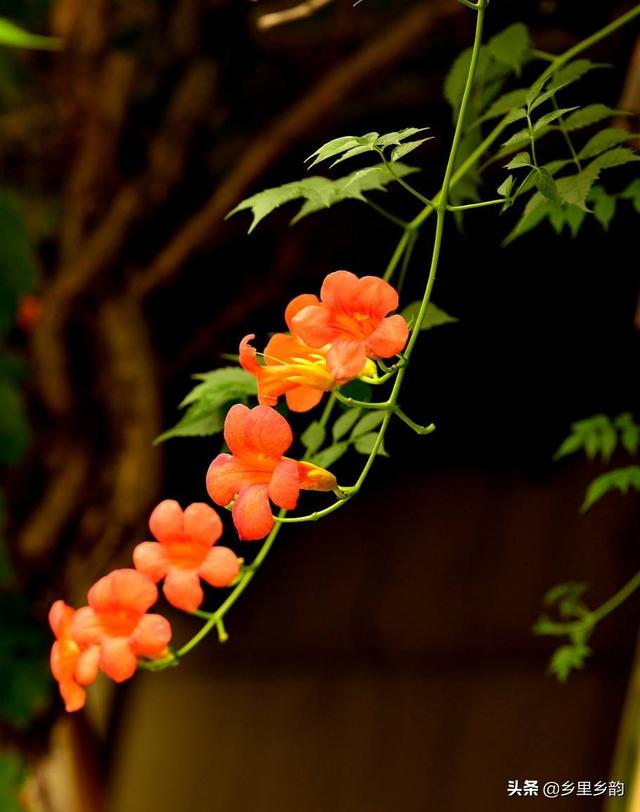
(521, 159)
(620, 479)
(629, 432)
(568, 658)
(604, 140)
(604, 206)
(566, 598)
(209, 400)
(504, 190)
(331, 454)
(632, 193)
(596, 436)
(545, 183)
(348, 146)
(345, 423)
(510, 102)
(549, 118)
(313, 436)
(321, 193)
(16, 37)
(434, 317)
(511, 46)
(588, 115)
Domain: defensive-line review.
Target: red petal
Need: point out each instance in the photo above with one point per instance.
(267, 432)
(314, 325)
(297, 304)
(116, 659)
(151, 636)
(284, 488)
(220, 567)
(346, 358)
(166, 521)
(234, 429)
(150, 558)
(303, 398)
(182, 589)
(202, 524)
(389, 338)
(252, 513)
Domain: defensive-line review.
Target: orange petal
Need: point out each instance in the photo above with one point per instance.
(86, 627)
(375, 297)
(339, 291)
(166, 520)
(252, 513)
(248, 359)
(123, 589)
(182, 589)
(116, 658)
(202, 524)
(151, 635)
(267, 432)
(284, 488)
(86, 670)
(220, 567)
(74, 695)
(314, 325)
(389, 338)
(60, 617)
(150, 558)
(346, 358)
(234, 429)
(225, 477)
(297, 304)
(303, 398)
(313, 478)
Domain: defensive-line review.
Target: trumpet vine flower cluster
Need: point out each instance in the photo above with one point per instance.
(332, 340)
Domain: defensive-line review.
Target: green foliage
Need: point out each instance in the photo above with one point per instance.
(15, 37)
(345, 423)
(600, 435)
(576, 625)
(511, 47)
(12, 776)
(604, 140)
(434, 317)
(604, 206)
(632, 193)
(619, 479)
(209, 401)
(348, 146)
(359, 424)
(567, 599)
(568, 658)
(313, 436)
(586, 116)
(321, 193)
(25, 680)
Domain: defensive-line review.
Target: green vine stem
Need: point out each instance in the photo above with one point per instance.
(438, 204)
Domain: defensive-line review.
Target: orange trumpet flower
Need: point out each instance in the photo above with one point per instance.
(184, 553)
(256, 470)
(117, 623)
(352, 316)
(73, 667)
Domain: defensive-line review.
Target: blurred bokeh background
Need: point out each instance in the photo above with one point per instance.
(384, 658)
